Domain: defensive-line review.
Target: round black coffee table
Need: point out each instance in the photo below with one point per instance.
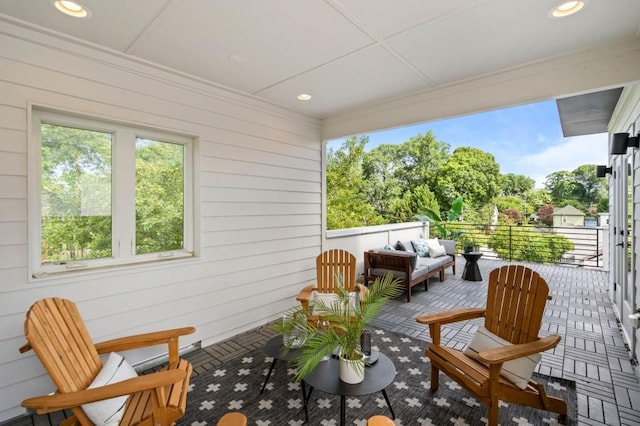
(274, 348)
(471, 270)
(326, 378)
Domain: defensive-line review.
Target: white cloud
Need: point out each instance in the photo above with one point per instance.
(567, 155)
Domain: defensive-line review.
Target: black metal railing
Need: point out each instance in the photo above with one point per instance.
(570, 245)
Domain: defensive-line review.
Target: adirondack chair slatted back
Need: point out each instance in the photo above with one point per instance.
(516, 300)
(57, 334)
(332, 264)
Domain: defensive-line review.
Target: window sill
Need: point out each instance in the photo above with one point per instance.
(77, 269)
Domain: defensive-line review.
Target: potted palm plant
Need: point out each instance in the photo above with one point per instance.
(346, 323)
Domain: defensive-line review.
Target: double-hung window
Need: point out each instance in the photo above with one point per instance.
(107, 194)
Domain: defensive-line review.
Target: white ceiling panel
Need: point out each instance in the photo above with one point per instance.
(507, 33)
(277, 39)
(363, 78)
(114, 23)
(348, 53)
(385, 18)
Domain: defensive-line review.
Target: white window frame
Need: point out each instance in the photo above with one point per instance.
(122, 192)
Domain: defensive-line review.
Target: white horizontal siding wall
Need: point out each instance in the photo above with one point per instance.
(258, 192)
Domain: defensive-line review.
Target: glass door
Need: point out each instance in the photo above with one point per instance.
(625, 291)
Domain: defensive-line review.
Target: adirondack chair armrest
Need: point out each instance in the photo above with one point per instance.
(306, 293)
(59, 401)
(304, 297)
(507, 353)
(451, 316)
(143, 340)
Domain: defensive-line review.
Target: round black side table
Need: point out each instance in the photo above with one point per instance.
(274, 349)
(326, 379)
(471, 270)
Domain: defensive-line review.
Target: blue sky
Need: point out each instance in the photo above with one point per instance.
(525, 140)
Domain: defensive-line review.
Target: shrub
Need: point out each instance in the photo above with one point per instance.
(523, 243)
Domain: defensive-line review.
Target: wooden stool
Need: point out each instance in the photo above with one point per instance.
(380, 421)
(233, 419)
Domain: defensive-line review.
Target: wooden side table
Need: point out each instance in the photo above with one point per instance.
(471, 270)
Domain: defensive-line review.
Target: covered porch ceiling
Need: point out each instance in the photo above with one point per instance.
(368, 64)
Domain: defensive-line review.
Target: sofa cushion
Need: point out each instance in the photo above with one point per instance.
(410, 254)
(431, 263)
(421, 246)
(449, 245)
(517, 371)
(437, 251)
(400, 246)
(416, 273)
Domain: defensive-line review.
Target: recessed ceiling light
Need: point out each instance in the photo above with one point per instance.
(566, 8)
(71, 8)
(304, 96)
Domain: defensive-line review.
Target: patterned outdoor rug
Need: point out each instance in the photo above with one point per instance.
(235, 386)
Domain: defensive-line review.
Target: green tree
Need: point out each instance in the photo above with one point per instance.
(419, 160)
(561, 185)
(517, 185)
(347, 205)
(76, 193)
(383, 190)
(509, 202)
(589, 187)
(472, 173)
(159, 196)
(535, 199)
(399, 177)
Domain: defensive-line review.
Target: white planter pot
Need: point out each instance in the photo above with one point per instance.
(352, 372)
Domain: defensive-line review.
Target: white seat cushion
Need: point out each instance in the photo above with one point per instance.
(517, 371)
(110, 411)
(437, 251)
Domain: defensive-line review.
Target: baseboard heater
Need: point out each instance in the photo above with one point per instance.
(162, 358)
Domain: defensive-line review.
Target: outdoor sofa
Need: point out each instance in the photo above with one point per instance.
(404, 263)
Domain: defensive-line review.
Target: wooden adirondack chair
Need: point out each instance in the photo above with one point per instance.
(516, 301)
(57, 334)
(330, 265)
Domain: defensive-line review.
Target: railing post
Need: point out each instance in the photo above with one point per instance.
(510, 244)
(597, 248)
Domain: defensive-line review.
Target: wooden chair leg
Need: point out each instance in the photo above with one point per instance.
(494, 405)
(232, 419)
(435, 378)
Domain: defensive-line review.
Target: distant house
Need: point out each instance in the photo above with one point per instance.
(568, 216)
